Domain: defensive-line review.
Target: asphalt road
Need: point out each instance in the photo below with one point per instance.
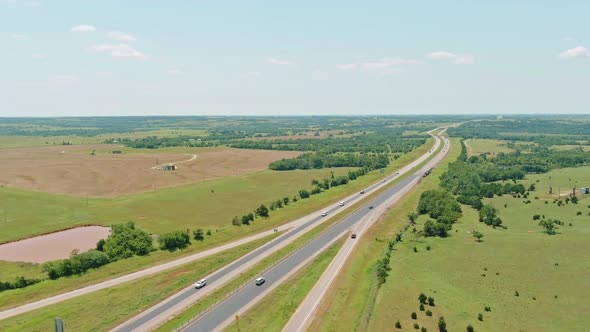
(215, 317)
(138, 322)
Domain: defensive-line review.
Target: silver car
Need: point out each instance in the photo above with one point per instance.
(201, 283)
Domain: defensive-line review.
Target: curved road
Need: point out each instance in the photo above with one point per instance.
(223, 314)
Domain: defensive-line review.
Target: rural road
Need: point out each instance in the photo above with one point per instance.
(304, 314)
(193, 157)
(184, 260)
(223, 314)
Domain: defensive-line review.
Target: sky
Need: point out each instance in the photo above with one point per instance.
(89, 58)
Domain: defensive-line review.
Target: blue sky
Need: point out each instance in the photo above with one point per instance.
(78, 58)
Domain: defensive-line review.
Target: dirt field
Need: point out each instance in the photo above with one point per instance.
(49, 247)
(72, 170)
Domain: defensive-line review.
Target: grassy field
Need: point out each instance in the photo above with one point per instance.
(477, 146)
(464, 276)
(224, 234)
(27, 141)
(348, 305)
(274, 312)
(97, 311)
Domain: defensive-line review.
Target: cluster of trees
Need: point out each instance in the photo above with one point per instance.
(76, 264)
(155, 142)
(174, 240)
(489, 216)
(441, 206)
(382, 269)
(550, 225)
(124, 241)
(20, 282)
(316, 160)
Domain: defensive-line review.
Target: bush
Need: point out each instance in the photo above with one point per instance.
(414, 315)
(126, 240)
(303, 194)
(516, 293)
(209, 233)
(415, 249)
(431, 301)
(423, 329)
(442, 325)
(100, 244)
(422, 298)
(480, 317)
(536, 217)
(175, 240)
(198, 234)
(21, 282)
(398, 325)
(428, 248)
(416, 326)
(421, 307)
(236, 221)
(316, 191)
(428, 313)
(77, 264)
(470, 328)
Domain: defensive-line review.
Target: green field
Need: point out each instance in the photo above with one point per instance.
(349, 303)
(520, 258)
(107, 308)
(477, 146)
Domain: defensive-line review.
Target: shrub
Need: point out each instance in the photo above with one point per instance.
(431, 301)
(175, 240)
(421, 307)
(415, 249)
(414, 315)
(422, 298)
(209, 232)
(198, 234)
(516, 293)
(100, 244)
(428, 248)
(470, 328)
(303, 194)
(316, 191)
(428, 313)
(126, 240)
(423, 329)
(21, 282)
(536, 217)
(398, 324)
(416, 326)
(480, 317)
(77, 264)
(442, 325)
(236, 221)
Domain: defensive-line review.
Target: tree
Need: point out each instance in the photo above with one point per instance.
(209, 232)
(428, 312)
(126, 240)
(470, 328)
(412, 216)
(442, 326)
(488, 215)
(176, 239)
(414, 315)
(261, 211)
(235, 221)
(422, 298)
(574, 199)
(431, 301)
(198, 234)
(100, 244)
(398, 325)
(549, 225)
(477, 235)
(286, 201)
(421, 307)
(303, 194)
(246, 219)
(480, 317)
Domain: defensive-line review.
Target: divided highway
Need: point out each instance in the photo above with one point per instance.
(223, 314)
(161, 312)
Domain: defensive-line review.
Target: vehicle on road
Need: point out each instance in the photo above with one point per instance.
(325, 213)
(201, 283)
(342, 203)
(362, 192)
(370, 207)
(353, 236)
(260, 281)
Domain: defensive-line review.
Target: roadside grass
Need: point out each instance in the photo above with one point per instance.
(106, 308)
(477, 146)
(220, 235)
(348, 305)
(465, 276)
(278, 307)
(10, 271)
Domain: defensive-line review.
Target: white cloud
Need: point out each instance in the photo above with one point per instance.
(17, 36)
(569, 38)
(83, 28)
(347, 66)
(574, 52)
(103, 74)
(276, 61)
(253, 73)
(119, 50)
(458, 59)
(38, 56)
(387, 63)
(120, 36)
(64, 78)
(174, 72)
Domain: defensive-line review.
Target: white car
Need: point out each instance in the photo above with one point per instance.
(325, 213)
(342, 203)
(200, 284)
(260, 281)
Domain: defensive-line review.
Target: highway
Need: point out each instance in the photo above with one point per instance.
(161, 312)
(221, 315)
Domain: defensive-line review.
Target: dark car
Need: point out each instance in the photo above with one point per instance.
(362, 192)
(353, 236)
(370, 207)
